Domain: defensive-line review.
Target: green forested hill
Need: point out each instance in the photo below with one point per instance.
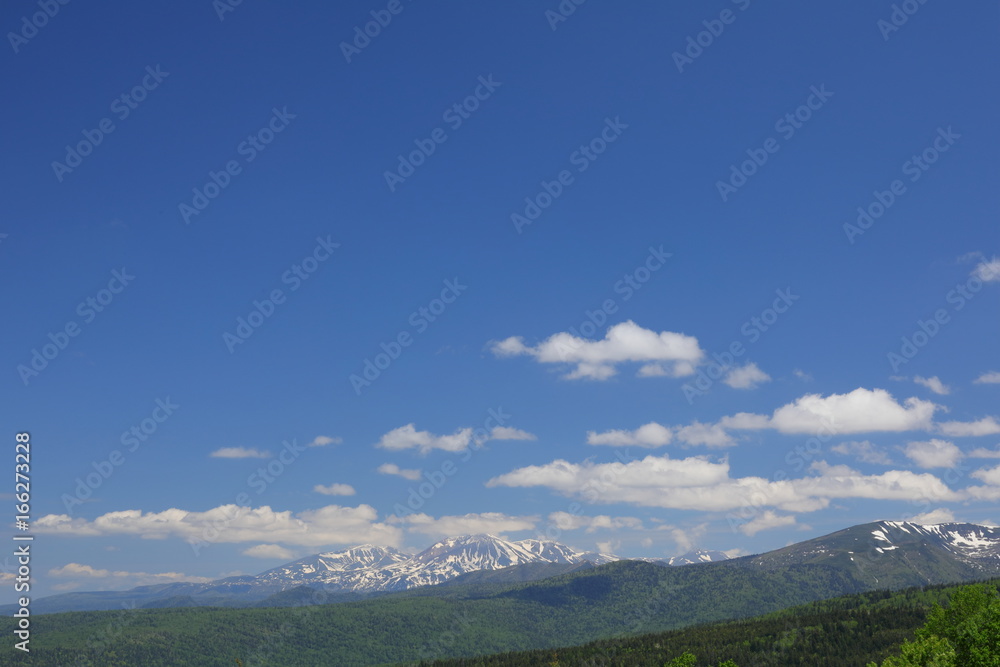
(626, 597)
(843, 632)
(623, 598)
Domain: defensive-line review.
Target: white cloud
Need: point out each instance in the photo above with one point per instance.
(393, 469)
(239, 453)
(652, 371)
(863, 451)
(934, 384)
(983, 453)
(493, 523)
(988, 270)
(710, 435)
(802, 375)
(408, 437)
(510, 433)
(324, 526)
(323, 440)
(985, 426)
(648, 435)
(746, 377)
(697, 483)
(269, 551)
(766, 520)
(940, 515)
(78, 571)
(567, 521)
(686, 539)
(989, 475)
(860, 411)
(656, 435)
(663, 353)
(335, 490)
(992, 377)
(933, 453)
(745, 421)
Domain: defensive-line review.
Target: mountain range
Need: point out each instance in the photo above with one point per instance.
(885, 554)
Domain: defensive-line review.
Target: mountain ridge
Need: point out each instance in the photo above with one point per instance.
(881, 554)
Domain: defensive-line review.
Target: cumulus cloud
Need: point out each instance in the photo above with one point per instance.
(766, 520)
(324, 440)
(989, 475)
(335, 490)
(648, 435)
(324, 526)
(992, 377)
(239, 453)
(408, 437)
(567, 521)
(863, 451)
(393, 469)
(657, 435)
(933, 453)
(510, 433)
(988, 270)
(985, 426)
(983, 453)
(686, 539)
(745, 421)
(697, 483)
(746, 377)
(493, 523)
(860, 411)
(940, 515)
(934, 384)
(710, 435)
(273, 551)
(79, 571)
(663, 353)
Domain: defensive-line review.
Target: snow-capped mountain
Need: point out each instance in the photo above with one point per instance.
(880, 555)
(893, 554)
(698, 556)
(370, 568)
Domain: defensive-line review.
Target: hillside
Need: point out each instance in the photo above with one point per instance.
(848, 631)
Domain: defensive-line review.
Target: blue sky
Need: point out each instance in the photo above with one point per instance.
(682, 192)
